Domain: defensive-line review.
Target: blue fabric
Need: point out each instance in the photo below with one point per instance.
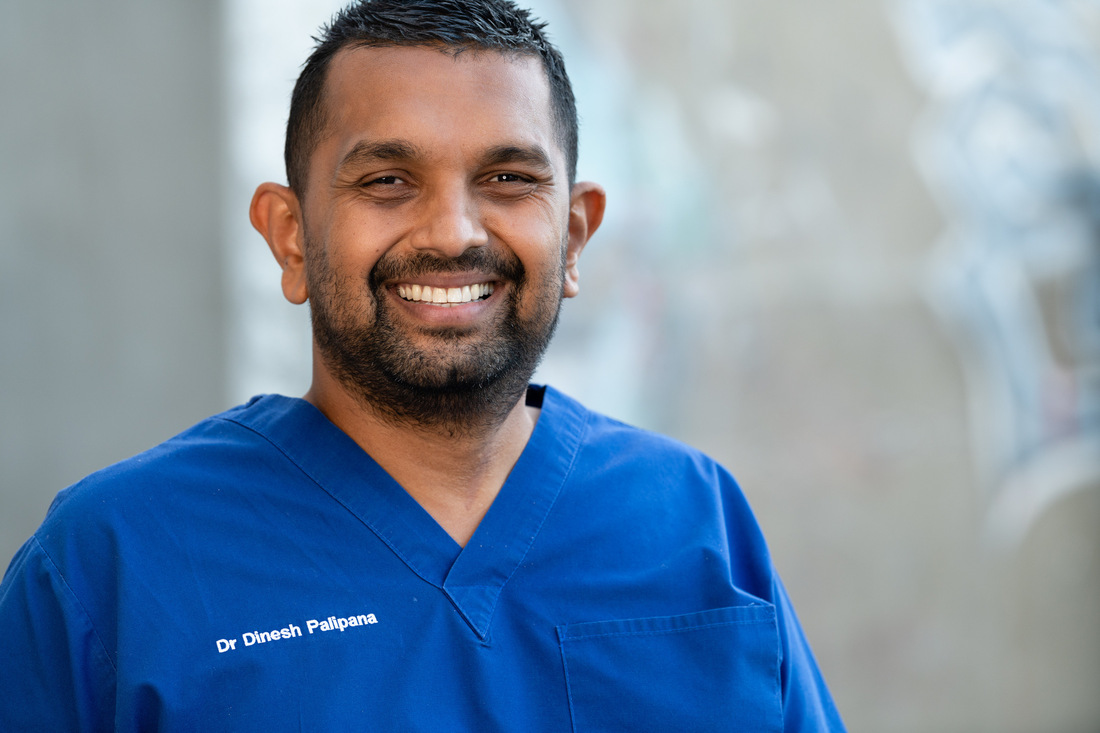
(261, 572)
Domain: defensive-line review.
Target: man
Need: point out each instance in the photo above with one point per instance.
(424, 542)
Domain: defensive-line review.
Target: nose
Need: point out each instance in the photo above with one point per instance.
(450, 222)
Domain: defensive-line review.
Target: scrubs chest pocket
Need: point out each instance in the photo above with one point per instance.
(715, 670)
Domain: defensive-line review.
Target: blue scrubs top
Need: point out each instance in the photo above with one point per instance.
(261, 572)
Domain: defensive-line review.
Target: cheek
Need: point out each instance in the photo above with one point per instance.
(540, 246)
(350, 261)
(338, 289)
(359, 234)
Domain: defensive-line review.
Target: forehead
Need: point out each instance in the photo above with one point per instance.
(437, 99)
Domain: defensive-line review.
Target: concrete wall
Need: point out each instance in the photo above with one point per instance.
(110, 255)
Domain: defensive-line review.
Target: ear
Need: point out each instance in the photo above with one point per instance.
(586, 204)
(276, 215)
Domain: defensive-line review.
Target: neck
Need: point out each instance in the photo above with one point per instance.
(454, 474)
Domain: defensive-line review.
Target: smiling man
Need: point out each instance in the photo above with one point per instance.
(424, 541)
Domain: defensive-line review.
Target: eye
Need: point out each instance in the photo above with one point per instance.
(509, 178)
(384, 181)
(388, 188)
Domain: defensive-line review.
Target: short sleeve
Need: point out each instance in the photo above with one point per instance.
(807, 704)
(54, 671)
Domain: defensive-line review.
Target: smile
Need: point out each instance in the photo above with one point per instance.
(445, 296)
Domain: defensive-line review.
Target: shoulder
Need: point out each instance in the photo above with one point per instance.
(208, 438)
(150, 514)
(658, 475)
(646, 487)
(617, 447)
(210, 457)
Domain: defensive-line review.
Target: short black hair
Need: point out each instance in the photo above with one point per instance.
(456, 25)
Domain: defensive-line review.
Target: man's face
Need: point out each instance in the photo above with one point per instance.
(436, 227)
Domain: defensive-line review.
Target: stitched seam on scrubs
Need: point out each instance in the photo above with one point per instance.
(377, 533)
(564, 480)
(666, 632)
(568, 687)
(79, 603)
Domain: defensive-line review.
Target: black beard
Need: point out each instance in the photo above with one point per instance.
(465, 392)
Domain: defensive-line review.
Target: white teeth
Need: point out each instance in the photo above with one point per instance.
(444, 296)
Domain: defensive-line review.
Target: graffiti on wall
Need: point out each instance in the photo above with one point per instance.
(1010, 148)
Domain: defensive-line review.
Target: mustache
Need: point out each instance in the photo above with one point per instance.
(497, 265)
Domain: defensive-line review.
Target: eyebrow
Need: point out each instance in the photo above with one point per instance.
(365, 152)
(531, 155)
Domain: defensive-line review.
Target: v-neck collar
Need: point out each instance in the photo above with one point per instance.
(471, 577)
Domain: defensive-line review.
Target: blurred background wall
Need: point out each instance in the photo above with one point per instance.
(112, 284)
(851, 251)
